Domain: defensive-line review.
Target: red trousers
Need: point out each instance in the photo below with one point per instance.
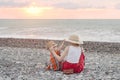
(77, 67)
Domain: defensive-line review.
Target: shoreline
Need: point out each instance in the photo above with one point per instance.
(90, 46)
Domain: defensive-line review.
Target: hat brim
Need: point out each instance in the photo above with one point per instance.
(80, 42)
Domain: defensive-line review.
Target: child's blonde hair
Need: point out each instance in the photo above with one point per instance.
(50, 44)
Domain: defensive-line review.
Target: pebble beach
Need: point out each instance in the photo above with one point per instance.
(27, 63)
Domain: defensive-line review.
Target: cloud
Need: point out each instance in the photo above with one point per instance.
(24, 3)
(13, 3)
(66, 5)
(117, 6)
(70, 5)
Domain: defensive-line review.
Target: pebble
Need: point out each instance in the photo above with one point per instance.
(21, 64)
(1, 78)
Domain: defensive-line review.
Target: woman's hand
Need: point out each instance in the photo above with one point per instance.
(63, 41)
(62, 45)
(51, 49)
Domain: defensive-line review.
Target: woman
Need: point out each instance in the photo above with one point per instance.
(72, 57)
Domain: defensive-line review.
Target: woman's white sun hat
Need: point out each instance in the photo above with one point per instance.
(74, 39)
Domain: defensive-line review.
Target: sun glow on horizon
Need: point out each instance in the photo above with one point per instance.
(34, 10)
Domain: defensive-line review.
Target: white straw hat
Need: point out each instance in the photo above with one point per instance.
(74, 39)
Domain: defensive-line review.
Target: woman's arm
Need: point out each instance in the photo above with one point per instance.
(60, 58)
(61, 46)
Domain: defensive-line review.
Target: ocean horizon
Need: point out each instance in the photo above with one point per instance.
(103, 30)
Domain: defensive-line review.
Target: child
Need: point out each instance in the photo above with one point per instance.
(54, 63)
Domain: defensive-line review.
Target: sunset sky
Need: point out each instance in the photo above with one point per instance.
(59, 9)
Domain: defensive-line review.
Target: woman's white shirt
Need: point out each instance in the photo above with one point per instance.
(73, 54)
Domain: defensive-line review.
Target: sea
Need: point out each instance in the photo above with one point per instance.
(103, 30)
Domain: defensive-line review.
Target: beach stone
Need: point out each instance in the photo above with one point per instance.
(8, 78)
(58, 76)
(79, 76)
(20, 64)
(22, 77)
(1, 78)
(65, 77)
